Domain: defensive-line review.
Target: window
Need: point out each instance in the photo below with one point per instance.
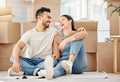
(76, 8)
(84, 10)
(2, 3)
(97, 12)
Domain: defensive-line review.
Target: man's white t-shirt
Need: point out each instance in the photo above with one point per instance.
(39, 44)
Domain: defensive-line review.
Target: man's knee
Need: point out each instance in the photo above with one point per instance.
(11, 59)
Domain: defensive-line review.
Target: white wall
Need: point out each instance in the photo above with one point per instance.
(19, 12)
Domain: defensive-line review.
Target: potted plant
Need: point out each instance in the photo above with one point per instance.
(116, 8)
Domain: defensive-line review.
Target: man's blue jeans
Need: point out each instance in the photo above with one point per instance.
(80, 62)
(30, 66)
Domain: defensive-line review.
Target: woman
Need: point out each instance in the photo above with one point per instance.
(73, 56)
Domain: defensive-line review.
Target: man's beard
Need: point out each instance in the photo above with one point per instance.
(46, 25)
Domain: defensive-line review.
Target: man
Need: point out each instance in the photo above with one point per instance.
(39, 44)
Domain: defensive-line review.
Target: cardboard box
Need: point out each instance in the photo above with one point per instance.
(27, 2)
(28, 25)
(88, 25)
(5, 11)
(118, 24)
(5, 18)
(118, 57)
(105, 56)
(114, 26)
(91, 40)
(54, 5)
(110, 9)
(5, 53)
(92, 62)
(113, 0)
(9, 32)
(114, 19)
(4, 63)
(6, 50)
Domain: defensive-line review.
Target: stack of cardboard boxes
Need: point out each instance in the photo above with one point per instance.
(9, 34)
(54, 5)
(105, 49)
(90, 43)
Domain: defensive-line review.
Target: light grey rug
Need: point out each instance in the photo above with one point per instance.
(89, 75)
(86, 75)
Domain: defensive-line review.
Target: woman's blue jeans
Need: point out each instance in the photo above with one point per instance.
(80, 62)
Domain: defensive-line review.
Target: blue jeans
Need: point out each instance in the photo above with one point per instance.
(80, 63)
(30, 66)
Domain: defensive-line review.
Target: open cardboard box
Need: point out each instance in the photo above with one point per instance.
(91, 40)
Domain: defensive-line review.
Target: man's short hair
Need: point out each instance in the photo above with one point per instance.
(41, 10)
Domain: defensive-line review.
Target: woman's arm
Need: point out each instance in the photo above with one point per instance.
(81, 34)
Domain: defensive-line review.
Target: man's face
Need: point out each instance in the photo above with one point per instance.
(46, 19)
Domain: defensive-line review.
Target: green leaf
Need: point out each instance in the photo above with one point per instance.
(113, 11)
(110, 5)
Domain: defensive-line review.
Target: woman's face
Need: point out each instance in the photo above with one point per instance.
(64, 22)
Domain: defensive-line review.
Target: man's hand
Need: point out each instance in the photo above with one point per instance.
(81, 29)
(16, 67)
(56, 56)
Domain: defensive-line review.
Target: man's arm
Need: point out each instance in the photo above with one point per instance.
(56, 52)
(81, 34)
(16, 53)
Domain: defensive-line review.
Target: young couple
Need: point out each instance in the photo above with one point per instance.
(48, 53)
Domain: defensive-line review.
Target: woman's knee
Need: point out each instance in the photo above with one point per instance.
(76, 46)
(77, 42)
